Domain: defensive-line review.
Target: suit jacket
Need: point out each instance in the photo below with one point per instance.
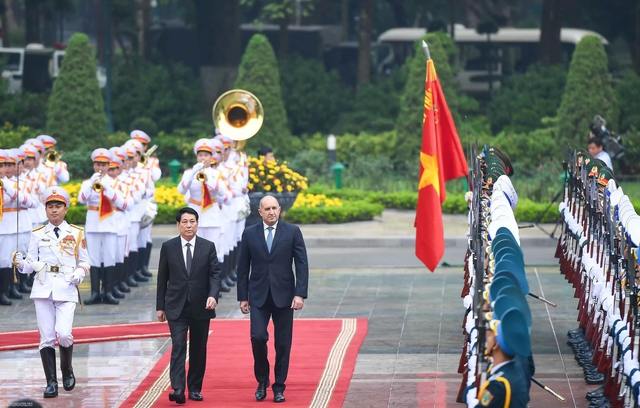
(174, 283)
(272, 271)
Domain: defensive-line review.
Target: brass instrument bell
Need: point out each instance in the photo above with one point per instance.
(238, 114)
(145, 157)
(97, 186)
(52, 157)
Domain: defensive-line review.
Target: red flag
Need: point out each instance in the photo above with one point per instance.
(441, 159)
(105, 208)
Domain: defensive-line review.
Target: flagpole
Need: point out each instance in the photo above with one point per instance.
(425, 49)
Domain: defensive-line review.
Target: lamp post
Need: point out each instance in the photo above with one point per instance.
(331, 149)
(337, 169)
(174, 165)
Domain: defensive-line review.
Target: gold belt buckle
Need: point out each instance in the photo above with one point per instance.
(55, 269)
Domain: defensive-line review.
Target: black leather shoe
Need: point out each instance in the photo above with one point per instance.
(278, 396)
(597, 393)
(594, 379)
(196, 396)
(261, 391)
(4, 300)
(177, 396)
(13, 293)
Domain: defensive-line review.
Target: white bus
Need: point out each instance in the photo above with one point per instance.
(512, 50)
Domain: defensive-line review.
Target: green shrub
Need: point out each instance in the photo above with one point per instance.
(13, 136)
(588, 93)
(524, 99)
(258, 73)
(628, 98)
(76, 111)
(313, 164)
(313, 97)
(168, 94)
(24, 108)
(349, 212)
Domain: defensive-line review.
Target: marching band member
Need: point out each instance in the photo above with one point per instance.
(121, 216)
(37, 184)
(25, 223)
(152, 165)
(241, 160)
(204, 188)
(101, 226)
(56, 173)
(133, 178)
(58, 255)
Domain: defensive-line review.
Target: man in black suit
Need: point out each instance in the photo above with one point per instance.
(188, 289)
(269, 249)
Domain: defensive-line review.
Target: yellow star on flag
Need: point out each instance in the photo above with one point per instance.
(430, 175)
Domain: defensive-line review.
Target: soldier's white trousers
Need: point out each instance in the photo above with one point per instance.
(134, 231)
(102, 248)
(122, 248)
(54, 317)
(213, 234)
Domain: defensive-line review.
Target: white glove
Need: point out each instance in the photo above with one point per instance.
(59, 167)
(95, 177)
(18, 259)
(197, 167)
(77, 277)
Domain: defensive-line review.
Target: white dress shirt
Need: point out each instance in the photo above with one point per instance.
(266, 231)
(604, 156)
(184, 249)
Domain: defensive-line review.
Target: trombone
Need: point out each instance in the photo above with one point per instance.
(145, 157)
(52, 158)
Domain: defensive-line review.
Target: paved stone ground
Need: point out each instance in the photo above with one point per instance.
(409, 357)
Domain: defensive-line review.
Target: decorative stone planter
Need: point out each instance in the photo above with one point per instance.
(286, 200)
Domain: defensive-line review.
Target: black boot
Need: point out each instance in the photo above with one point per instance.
(129, 270)
(122, 279)
(115, 281)
(223, 277)
(68, 379)
(147, 259)
(30, 279)
(234, 259)
(24, 286)
(12, 288)
(48, 357)
(95, 298)
(142, 257)
(108, 286)
(138, 276)
(5, 283)
(229, 265)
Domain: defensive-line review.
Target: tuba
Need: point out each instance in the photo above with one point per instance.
(238, 114)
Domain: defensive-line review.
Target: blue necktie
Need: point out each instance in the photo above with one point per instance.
(56, 229)
(270, 238)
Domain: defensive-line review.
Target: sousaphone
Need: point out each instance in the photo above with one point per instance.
(238, 114)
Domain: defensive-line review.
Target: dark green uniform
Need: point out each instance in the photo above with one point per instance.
(506, 388)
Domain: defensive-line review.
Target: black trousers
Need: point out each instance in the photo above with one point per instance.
(283, 331)
(199, 334)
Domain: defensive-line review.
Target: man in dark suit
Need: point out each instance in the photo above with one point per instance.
(269, 249)
(188, 289)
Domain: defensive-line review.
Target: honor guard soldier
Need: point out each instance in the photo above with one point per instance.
(102, 227)
(58, 256)
(147, 191)
(56, 169)
(121, 216)
(131, 264)
(204, 190)
(151, 165)
(509, 383)
(9, 197)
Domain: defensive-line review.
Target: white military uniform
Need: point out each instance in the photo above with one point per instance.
(56, 174)
(60, 262)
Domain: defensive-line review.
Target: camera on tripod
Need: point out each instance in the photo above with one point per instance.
(611, 142)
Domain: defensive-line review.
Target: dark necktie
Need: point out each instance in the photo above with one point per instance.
(269, 238)
(56, 229)
(189, 258)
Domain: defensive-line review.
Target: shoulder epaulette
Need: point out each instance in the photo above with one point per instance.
(37, 228)
(77, 227)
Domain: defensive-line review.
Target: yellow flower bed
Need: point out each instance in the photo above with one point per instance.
(164, 195)
(274, 177)
(316, 200)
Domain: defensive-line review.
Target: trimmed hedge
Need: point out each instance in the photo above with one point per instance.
(349, 211)
(166, 214)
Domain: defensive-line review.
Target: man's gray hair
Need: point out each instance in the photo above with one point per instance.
(268, 195)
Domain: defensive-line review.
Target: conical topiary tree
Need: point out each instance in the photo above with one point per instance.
(258, 74)
(588, 93)
(409, 122)
(76, 113)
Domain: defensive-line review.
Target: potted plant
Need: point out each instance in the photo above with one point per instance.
(275, 179)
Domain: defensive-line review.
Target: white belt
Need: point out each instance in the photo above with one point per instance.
(59, 269)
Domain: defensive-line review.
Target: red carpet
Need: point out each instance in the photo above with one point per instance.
(323, 358)
(90, 334)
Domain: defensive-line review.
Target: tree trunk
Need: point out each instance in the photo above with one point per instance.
(283, 43)
(550, 45)
(9, 22)
(219, 41)
(32, 12)
(100, 31)
(143, 18)
(364, 42)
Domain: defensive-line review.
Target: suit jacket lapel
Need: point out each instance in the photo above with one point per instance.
(181, 256)
(276, 238)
